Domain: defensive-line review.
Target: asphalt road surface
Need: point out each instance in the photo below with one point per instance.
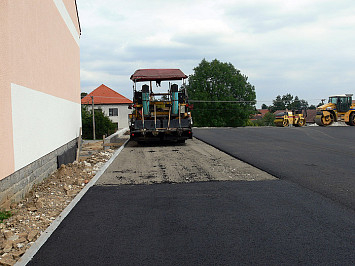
(321, 159)
(195, 205)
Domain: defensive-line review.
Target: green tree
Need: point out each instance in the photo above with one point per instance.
(103, 124)
(312, 107)
(298, 104)
(288, 102)
(264, 106)
(277, 104)
(212, 89)
(268, 119)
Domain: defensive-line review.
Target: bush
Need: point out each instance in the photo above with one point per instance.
(267, 120)
(103, 124)
(4, 215)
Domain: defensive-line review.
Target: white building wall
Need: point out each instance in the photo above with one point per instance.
(123, 111)
(41, 123)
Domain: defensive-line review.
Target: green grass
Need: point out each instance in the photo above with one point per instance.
(4, 215)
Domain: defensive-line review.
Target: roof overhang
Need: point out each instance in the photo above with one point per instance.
(341, 95)
(157, 75)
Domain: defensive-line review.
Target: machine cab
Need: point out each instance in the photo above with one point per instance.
(342, 102)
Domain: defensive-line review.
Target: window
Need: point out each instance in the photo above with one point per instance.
(333, 100)
(113, 111)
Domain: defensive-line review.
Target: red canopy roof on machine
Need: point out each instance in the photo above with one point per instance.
(158, 74)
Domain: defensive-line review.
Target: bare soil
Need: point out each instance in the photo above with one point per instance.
(193, 161)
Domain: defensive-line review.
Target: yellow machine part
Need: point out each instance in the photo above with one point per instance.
(324, 119)
(284, 121)
(301, 122)
(281, 122)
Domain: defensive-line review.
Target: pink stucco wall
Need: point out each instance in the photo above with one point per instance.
(44, 55)
(71, 7)
(6, 141)
(37, 51)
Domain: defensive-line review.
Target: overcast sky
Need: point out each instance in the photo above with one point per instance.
(302, 47)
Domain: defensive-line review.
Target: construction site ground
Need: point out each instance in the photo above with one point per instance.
(174, 204)
(47, 200)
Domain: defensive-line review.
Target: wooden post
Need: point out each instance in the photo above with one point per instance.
(79, 146)
(169, 117)
(93, 118)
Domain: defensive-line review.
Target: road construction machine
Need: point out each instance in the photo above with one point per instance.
(163, 115)
(338, 109)
(294, 117)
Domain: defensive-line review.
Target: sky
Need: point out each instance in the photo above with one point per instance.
(302, 47)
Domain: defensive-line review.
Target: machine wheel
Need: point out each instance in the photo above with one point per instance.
(301, 122)
(278, 122)
(328, 120)
(285, 123)
(352, 119)
(324, 120)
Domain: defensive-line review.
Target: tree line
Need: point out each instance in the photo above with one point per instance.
(221, 96)
(288, 102)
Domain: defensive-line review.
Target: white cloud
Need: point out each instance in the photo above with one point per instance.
(300, 47)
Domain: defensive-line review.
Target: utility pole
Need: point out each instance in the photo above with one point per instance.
(93, 117)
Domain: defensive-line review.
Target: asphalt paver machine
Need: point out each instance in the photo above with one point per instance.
(163, 115)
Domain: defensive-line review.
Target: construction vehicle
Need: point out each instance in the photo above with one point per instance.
(338, 109)
(294, 117)
(160, 115)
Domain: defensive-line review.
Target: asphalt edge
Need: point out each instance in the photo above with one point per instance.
(237, 158)
(31, 252)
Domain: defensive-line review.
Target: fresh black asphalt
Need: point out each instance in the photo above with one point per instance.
(207, 223)
(321, 159)
(286, 221)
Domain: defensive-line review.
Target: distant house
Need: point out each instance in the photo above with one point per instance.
(261, 113)
(113, 104)
(40, 114)
(311, 114)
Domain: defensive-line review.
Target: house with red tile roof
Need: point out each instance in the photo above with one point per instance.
(261, 113)
(311, 114)
(113, 104)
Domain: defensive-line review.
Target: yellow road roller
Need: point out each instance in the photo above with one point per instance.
(294, 117)
(338, 109)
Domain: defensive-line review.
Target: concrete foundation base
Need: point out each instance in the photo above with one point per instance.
(14, 187)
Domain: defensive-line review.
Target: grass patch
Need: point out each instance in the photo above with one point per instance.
(4, 215)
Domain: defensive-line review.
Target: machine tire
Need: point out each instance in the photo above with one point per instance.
(325, 121)
(301, 122)
(285, 123)
(352, 119)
